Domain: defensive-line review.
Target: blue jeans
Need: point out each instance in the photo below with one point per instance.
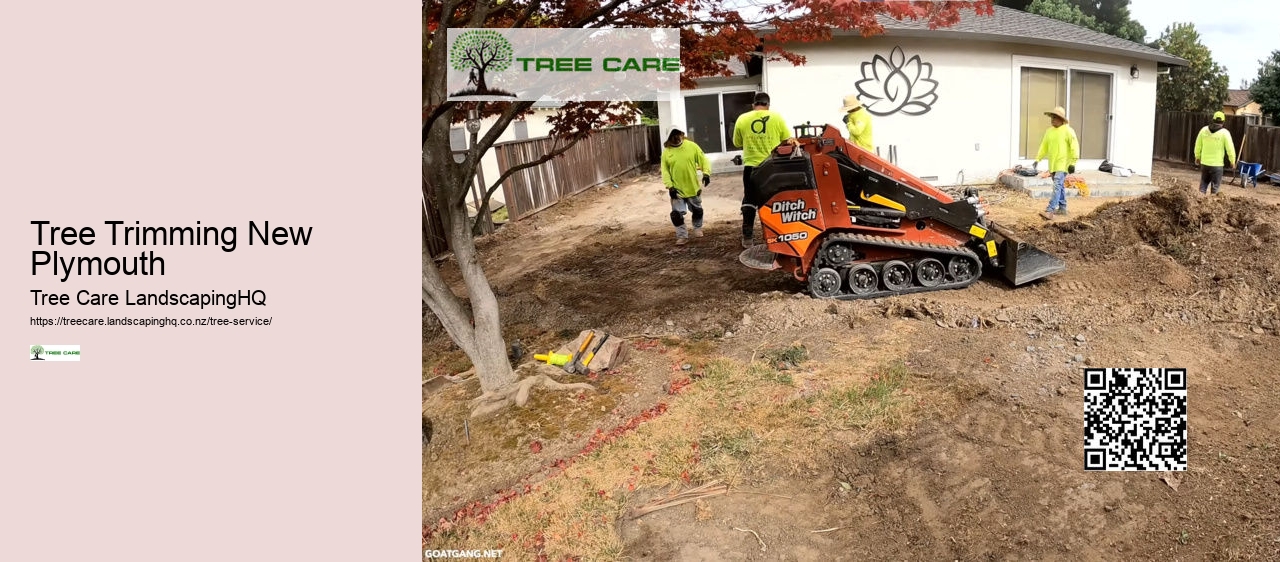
(1059, 200)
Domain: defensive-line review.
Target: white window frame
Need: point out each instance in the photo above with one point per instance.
(1066, 65)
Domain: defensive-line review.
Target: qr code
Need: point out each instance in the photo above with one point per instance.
(1135, 419)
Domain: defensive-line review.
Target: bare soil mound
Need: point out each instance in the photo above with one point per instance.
(1221, 244)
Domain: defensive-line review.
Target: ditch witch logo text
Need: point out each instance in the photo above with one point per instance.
(562, 64)
(54, 352)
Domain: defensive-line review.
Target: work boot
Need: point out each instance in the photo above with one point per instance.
(1046, 216)
(747, 242)
(682, 241)
(697, 232)
(1061, 212)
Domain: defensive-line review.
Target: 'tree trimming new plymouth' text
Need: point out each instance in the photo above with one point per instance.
(146, 263)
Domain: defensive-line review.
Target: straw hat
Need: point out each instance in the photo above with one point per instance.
(1058, 112)
(851, 102)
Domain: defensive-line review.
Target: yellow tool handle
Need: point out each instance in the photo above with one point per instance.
(587, 362)
(552, 358)
(586, 342)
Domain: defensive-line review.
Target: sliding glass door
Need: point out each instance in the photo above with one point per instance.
(1085, 95)
(711, 117)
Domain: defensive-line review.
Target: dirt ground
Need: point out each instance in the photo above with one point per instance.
(986, 465)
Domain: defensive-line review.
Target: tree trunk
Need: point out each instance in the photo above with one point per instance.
(490, 352)
(481, 88)
(478, 333)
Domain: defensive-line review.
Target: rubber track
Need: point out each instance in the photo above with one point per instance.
(926, 250)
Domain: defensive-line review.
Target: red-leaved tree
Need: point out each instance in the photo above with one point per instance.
(711, 33)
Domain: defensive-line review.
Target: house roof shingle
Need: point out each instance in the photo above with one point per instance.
(1238, 98)
(1014, 26)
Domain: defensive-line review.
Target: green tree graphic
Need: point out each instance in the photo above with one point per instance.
(37, 350)
(480, 51)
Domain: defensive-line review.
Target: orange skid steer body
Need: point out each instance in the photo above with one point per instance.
(854, 226)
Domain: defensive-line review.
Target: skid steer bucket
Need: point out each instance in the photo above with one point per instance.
(1022, 263)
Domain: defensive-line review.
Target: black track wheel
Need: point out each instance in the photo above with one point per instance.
(825, 282)
(896, 275)
(930, 272)
(962, 268)
(863, 279)
(837, 254)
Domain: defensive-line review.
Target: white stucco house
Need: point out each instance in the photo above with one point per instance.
(953, 105)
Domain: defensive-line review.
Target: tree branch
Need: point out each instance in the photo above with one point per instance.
(484, 204)
(602, 11)
(632, 11)
(524, 18)
(438, 112)
(468, 167)
(482, 12)
(451, 11)
(437, 295)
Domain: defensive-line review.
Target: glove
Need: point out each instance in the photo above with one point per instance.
(1035, 165)
(672, 192)
(1071, 169)
(698, 194)
(706, 180)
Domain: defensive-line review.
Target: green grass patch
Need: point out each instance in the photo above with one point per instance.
(737, 443)
(859, 407)
(794, 354)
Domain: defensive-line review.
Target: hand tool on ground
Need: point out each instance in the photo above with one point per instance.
(572, 366)
(556, 359)
(586, 362)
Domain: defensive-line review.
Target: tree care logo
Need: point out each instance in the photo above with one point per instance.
(40, 352)
(480, 51)
(562, 65)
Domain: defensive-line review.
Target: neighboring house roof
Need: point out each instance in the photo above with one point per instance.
(1008, 25)
(1238, 98)
(736, 67)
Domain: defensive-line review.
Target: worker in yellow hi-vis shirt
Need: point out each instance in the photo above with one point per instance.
(682, 159)
(757, 133)
(1061, 148)
(1214, 148)
(858, 121)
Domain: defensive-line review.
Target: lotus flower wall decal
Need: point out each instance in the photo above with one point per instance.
(897, 84)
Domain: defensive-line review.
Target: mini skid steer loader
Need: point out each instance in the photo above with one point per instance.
(854, 226)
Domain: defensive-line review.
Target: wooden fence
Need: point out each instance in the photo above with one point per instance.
(1176, 132)
(603, 155)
